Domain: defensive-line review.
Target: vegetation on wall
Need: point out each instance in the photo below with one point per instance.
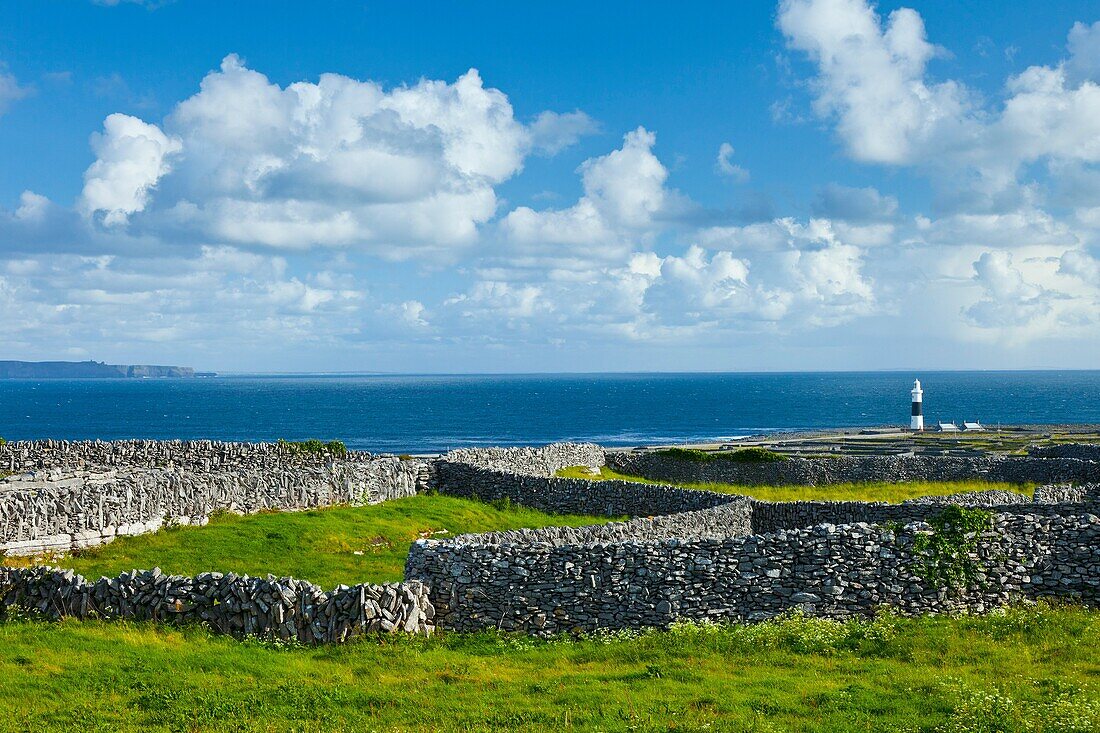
(945, 555)
(335, 448)
(752, 454)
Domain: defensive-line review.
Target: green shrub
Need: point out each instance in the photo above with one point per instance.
(315, 447)
(753, 454)
(944, 554)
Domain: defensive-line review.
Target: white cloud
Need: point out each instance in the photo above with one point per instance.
(1081, 265)
(725, 165)
(1084, 53)
(552, 132)
(872, 77)
(340, 162)
(834, 201)
(131, 156)
(624, 194)
(11, 90)
(1010, 300)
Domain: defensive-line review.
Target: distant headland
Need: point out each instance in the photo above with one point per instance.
(93, 370)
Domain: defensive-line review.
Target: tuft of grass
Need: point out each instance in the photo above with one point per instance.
(335, 448)
(325, 546)
(754, 454)
(1026, 669)
(871, 491)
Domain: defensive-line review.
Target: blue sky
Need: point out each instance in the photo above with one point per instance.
(813, 184)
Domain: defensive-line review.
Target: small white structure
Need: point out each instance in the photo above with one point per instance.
(948, 427)
(916, 422)
(973, 427)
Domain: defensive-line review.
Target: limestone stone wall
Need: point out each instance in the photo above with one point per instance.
(826, 570)
(84, 494)
(282, 608)
(843, 469)
(1083, 451)
(203, 455)
(571, 496)
(541, 461)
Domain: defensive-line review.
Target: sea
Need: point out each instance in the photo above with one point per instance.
(432, 413)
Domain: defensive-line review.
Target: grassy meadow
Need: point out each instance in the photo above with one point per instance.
(871, 491)
(325, 546)
(1028, 669)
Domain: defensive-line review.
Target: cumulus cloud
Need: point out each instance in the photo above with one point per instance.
(725, 165)
(10, 90)
(1010, 300)
(624, 193)
(552, 132)
(834, 201)
(131, 156)
(1081, 265)
(1084, 53)
(339, 162)
(872, 79)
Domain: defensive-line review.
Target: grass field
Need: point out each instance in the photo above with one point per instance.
(1025, 670)
(882, 491)
(327, 546)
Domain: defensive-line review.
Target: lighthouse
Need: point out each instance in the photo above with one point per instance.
(917, 421)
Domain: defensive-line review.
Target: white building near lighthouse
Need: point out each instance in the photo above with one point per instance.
(917, 420)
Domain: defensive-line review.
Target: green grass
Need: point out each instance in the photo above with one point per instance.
(753, 454)
(875, 491)
(1027, 670)
(318, 546)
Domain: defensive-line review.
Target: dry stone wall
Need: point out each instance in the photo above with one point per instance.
(844, 469)
(571, 496)
(277, 608)
(542, 461)
(826, 570)
(704, 555)
(84, 494)
(30, 455)
(1082, 451)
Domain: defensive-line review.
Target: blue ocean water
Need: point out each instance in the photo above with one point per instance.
(413, 413)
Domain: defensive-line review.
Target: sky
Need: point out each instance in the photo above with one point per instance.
(521, 187)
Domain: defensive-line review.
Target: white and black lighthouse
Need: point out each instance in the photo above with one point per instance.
(917, 420)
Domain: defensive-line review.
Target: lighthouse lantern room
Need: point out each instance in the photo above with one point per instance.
(917, 420)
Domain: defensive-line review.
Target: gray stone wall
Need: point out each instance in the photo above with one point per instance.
(1058, 493)
(770, 517)
(572, 496)
(826, 570)
(204, 455)
(282, 608)
(1082, 451)
(88, 495)
(542, 461)
(733, 519)
(845, 469)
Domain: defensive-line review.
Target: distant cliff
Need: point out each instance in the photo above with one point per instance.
(87, 370)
